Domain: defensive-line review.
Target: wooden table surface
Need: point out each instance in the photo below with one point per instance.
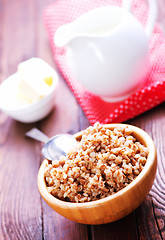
(23, 213)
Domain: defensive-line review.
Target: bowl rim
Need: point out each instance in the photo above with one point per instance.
(32, 105)
(150, 161)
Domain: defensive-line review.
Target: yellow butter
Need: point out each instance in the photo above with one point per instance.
(36, 78)
(48, 81)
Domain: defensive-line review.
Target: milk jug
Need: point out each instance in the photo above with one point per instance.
(108, 49)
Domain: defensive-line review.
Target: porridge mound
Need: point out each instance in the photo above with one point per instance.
(103, 162)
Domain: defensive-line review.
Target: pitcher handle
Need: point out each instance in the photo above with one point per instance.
(152, 17)
(152, 14)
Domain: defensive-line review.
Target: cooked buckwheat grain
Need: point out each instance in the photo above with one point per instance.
(103, 162)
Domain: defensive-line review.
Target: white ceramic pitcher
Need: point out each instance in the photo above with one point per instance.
(108, 49)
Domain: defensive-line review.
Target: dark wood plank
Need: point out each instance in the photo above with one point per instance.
(147, 221)
(19, 200)
(58, 227)
(151, 214)
(124, 229)
(23, 214)
(20, 203)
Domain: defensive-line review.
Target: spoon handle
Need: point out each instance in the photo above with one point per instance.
(37, 135)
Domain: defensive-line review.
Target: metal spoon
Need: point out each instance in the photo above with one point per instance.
(54, 147)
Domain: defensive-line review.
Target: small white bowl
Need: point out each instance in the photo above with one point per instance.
(29, 113)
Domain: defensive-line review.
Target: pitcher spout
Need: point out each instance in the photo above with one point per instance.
(63, 35)
(98, 23)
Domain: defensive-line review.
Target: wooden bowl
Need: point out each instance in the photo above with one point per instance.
(116, 206)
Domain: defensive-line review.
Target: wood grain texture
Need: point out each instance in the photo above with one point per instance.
(152, 211)
(23, 215)
(125, 229)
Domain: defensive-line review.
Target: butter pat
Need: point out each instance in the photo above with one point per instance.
(28, 95)
(35, 79)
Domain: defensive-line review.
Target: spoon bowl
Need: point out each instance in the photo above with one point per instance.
(58, 146)
(55, 147)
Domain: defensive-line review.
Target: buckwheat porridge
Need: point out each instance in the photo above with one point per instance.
(103, 162)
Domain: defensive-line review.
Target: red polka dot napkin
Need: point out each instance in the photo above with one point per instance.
(150, 95)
